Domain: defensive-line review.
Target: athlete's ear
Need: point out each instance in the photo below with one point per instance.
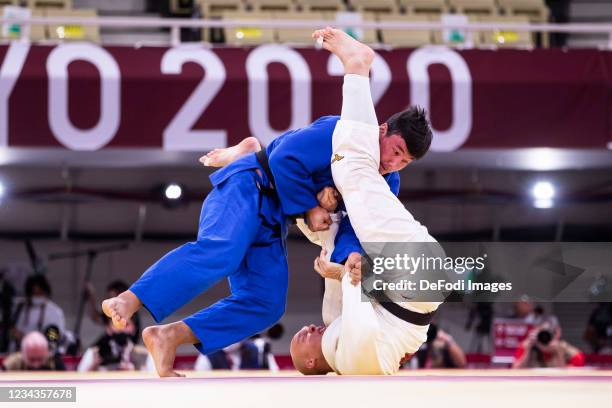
(310, 363)
(382, 130)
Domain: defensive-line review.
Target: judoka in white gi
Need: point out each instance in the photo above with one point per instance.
(359, 337)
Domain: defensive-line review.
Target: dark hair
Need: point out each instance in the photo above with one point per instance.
(118, 286)
(37, 281)
(413, 126)
(276, 332)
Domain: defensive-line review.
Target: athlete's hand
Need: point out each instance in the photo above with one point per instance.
(318, 219)
(353, 267)
(327, 269)
(328, 198)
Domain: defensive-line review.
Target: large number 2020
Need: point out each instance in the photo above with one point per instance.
(179, 134)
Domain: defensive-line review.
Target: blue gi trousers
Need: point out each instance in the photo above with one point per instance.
(241, 237)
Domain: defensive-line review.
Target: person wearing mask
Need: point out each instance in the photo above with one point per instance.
(37, 311)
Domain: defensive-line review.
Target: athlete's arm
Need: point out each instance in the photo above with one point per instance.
(295, 161)
(346, 239)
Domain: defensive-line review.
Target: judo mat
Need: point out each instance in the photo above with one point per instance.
(424, 389)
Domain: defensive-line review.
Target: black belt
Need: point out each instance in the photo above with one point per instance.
(262, 159)
(420, 319)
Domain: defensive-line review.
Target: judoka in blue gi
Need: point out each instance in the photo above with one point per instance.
(242, 231)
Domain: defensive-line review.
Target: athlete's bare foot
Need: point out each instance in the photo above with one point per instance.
(162, 349)
(121, 308)
(223, 157)
(355, 56)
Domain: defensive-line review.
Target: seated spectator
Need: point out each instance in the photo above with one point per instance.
(543, 347)
(480, 319)
(36, 312)
(34, 356)
(440, 351)
(217, 360)
(112, 290)
(114, 351)
(598, 333)
(251, 354)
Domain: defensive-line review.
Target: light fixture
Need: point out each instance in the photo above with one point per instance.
(173, 191)
(543, 193)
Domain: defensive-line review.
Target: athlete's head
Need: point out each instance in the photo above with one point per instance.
(306, 351)
(404, 137)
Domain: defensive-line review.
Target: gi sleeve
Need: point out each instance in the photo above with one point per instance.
(332, 301)
(346, 239)
(294, 162)
(357, 352)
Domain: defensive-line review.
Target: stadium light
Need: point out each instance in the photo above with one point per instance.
(173, 191)
(543, 193)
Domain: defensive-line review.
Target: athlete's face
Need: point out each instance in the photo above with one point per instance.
(394, 154)
(306, 347)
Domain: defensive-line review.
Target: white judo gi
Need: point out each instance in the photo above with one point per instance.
(362, 337)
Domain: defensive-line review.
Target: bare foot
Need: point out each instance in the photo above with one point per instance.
(121, 308)
(115, 309)
(223, 157)
(162, 350)
(355, 56)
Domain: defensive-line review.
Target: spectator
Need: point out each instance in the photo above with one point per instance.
(543, 347)
(217, 360)
(251, 354)
(113, 289)
(34, 355)
(256, 352)
(36, 312)
(481, 319)
(7, 293)
(598, 333)
(440, 351)
(114, 351)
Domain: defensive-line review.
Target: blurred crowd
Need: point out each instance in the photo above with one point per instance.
(34, 336)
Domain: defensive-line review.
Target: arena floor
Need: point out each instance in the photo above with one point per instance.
(425, 389)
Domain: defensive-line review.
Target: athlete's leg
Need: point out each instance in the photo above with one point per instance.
(229, 222)
(375, 212)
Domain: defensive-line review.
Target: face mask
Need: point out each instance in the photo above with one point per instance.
(38, 300)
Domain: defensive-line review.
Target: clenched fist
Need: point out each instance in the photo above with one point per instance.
(353, 267)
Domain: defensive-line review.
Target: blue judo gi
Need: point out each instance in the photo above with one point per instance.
(300, 163)
(241, 236)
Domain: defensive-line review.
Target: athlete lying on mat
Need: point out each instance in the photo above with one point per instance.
(365, 337)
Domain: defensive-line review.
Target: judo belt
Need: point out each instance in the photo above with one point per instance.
(262, 159)
(419, 319)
